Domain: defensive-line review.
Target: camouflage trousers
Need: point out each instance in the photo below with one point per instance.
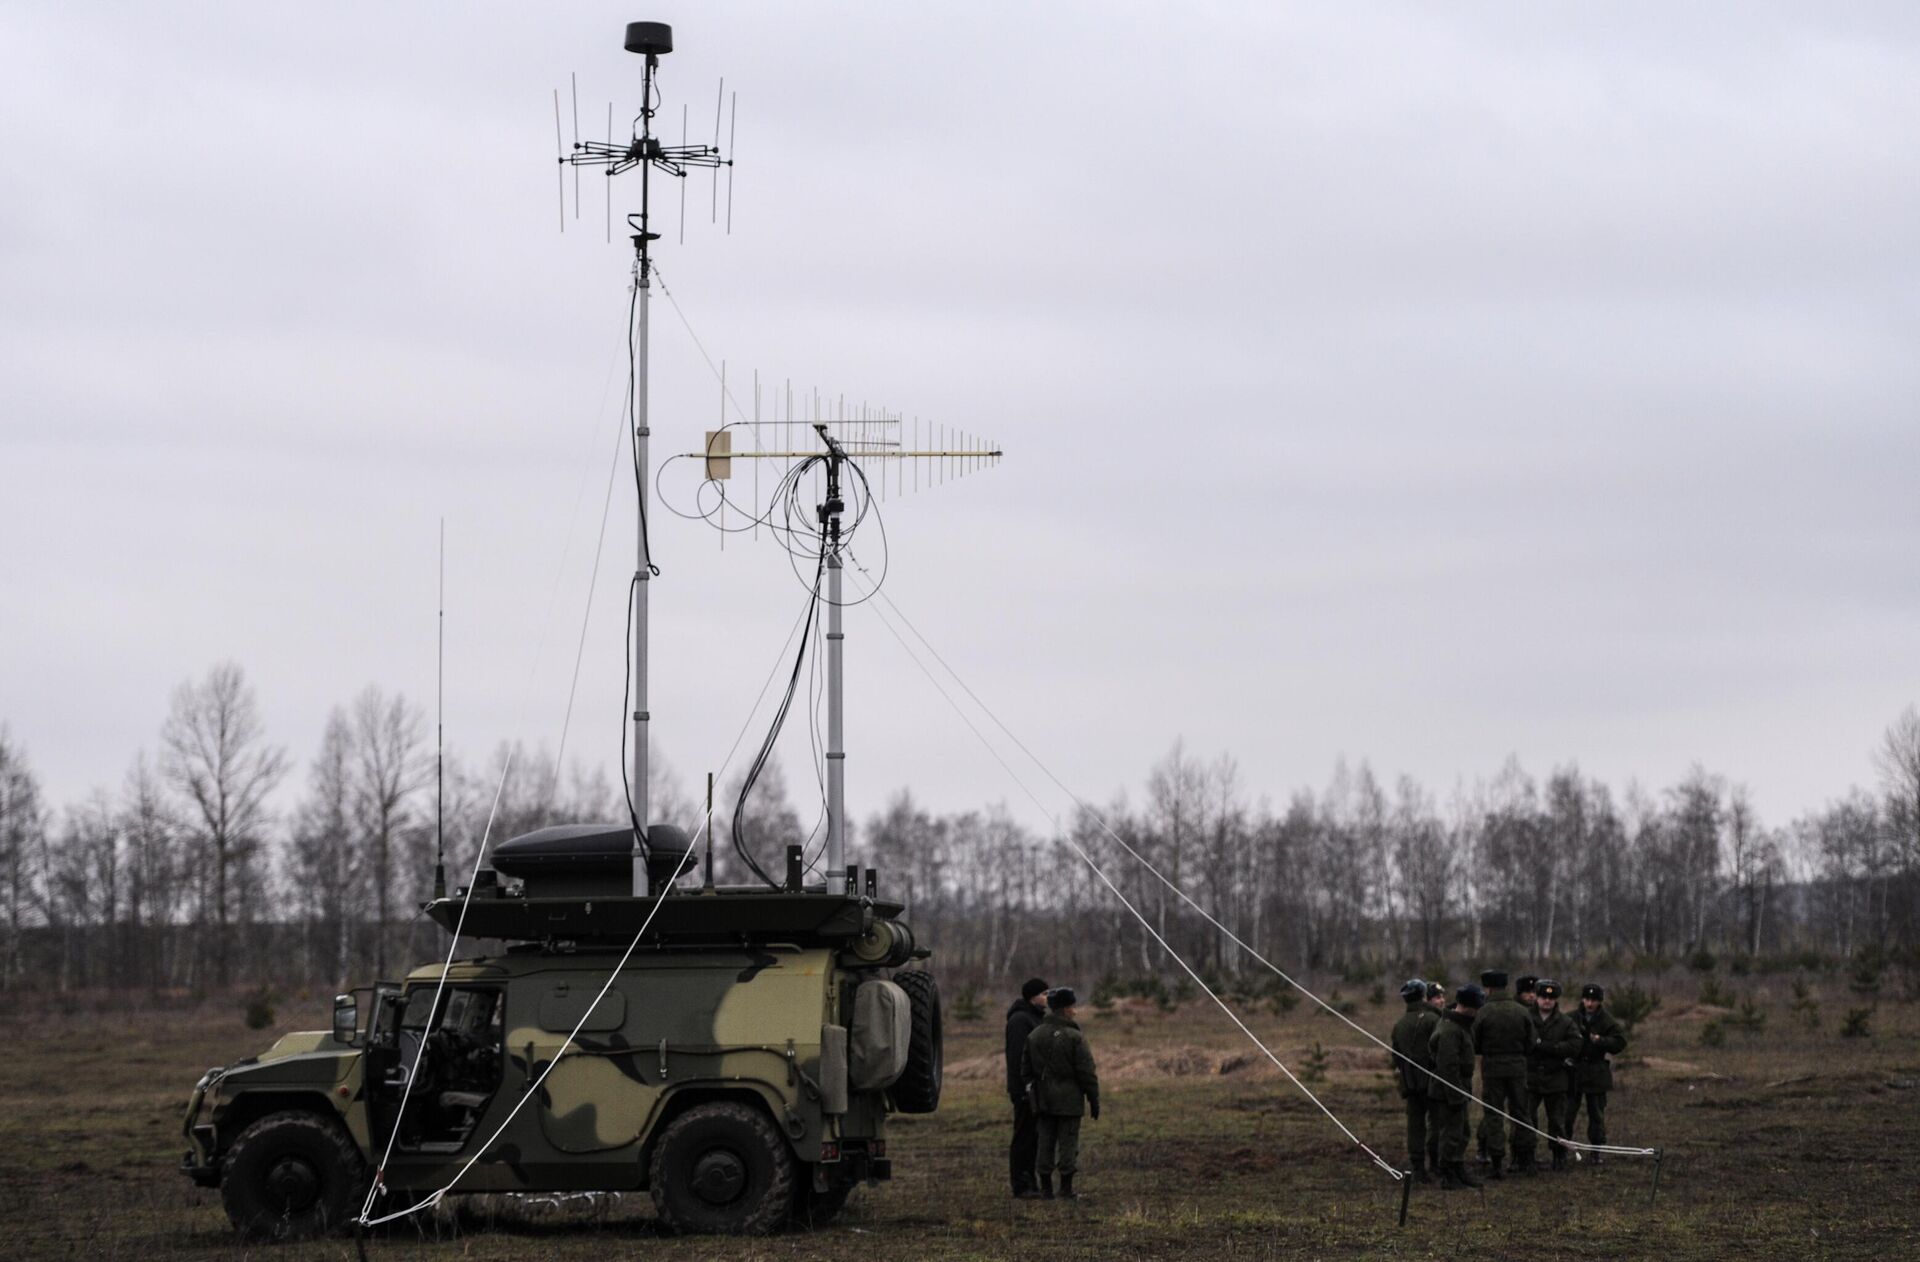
(1424, 1119)
(1596, 1114)
(1450, 1107)
(1059, 1145)
(1509, 1095)
(1558, 1107)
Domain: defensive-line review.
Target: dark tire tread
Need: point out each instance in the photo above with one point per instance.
(917, 1090)
(774, 1204)
(343, 1171)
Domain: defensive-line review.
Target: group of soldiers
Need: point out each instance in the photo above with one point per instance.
(1537, 1062)
(1534, 1059)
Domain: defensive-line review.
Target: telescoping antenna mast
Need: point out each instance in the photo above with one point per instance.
(651, 40)
(718, 461)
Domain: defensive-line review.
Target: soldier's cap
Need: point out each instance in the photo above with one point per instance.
(1593, 990)
(1547, 988)
(1033, 987)
(1414, 990)
(1494, 979)
(1062, 997)
(1469, 996)
(1435, 990)
(1524, 985)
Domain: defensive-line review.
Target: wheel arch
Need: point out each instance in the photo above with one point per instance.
(249, 1107)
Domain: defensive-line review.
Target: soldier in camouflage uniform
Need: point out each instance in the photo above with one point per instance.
(1503, 1036)
(1549, 1069)
(1451, 1046)
(1060, 1066)
(1413, 1041)
(1600, 1038)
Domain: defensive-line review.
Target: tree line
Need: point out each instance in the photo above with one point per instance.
(186, 878)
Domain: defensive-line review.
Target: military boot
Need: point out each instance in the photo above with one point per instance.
(1420, 1174)
(1559, 1161)
(1454, 1177)
(1493, 1168)
(1523, 1164)
(1046, 1187)
(1066, 1188)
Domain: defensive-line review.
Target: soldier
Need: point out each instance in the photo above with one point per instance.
(1060, 1067)
(1413, 1040)
(1503, 1035)
(1549, 1069)
(1523, 990)
(1451, 1046)
(1022, 1019)
(1600, 1038)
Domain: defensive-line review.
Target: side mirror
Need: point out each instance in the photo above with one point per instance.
(346, 1019)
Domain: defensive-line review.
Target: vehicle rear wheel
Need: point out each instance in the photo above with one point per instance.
(291, 1175)
(722, 1168)
(917, 1090)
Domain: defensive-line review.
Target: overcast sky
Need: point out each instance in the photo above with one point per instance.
(1422, 383)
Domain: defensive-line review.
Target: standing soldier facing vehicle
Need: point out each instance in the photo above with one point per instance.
(1023, 1018)
(1059, 1065)
(1451, 1046)
(1503, 1036)
(1549, 1069)
(1600, 1038)
(1413, 1040)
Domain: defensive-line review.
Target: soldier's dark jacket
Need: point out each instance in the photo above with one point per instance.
(1413, 1039)
(1503, 1033)
(1451, 1046)
(1549, 1071)
(1060, 1064)
(1592, 1072)
(1022, 1019)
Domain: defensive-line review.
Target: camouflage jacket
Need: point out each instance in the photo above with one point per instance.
(1413, 1039)
(1452, 1048)
(1503, 1035)
(1060, 1065)
(1592, 1073)
(1548, 1069)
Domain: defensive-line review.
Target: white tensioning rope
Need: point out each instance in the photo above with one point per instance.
(1094, 814)
(1095, 868)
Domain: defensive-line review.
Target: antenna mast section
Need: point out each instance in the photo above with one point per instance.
(651, 40)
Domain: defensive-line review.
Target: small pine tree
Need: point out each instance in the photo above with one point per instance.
(1856, 1024)
(1314, 1068)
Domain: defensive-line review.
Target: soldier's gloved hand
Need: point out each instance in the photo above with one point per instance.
(1093, 1107)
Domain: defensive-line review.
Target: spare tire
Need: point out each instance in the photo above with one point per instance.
(917, 1090)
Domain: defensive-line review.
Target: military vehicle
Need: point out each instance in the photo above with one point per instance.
(740, 1065)
(733, 1050)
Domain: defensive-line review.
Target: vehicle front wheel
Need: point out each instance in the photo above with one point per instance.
(291, 1175)
(722, 1168)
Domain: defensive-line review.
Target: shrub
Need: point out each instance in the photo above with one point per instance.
(258, 1008)
(1741, 965)
(1631, 1005)
(1750, 1018)
(1713, 996)
(1856, 1024)
(1283, 1001)
(967, 1006)
(1701, 961)
(1378, 995)
(1713, 1035)
(1863, 976)
(1314, 1067)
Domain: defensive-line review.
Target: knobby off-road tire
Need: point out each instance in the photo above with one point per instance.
(918, 1088)
(292, 1175)
(724, 1169)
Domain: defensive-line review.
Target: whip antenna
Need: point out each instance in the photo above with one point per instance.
(440, 733)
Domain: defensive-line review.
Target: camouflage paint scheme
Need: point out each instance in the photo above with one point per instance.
(677, 1027)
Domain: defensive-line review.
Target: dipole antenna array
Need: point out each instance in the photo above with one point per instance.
(866, 437)
(642, 151)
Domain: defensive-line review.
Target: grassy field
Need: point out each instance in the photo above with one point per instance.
(1790, 1141)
